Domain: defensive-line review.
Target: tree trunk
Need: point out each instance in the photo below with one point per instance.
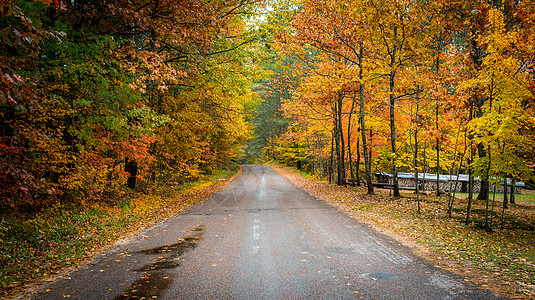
(350, 154)
(350, 160)
(130, 166)
(484, 190)
(476, 55)
(438, 153)
(315, 166)
(330, 169)
(370, 151)
(505, 201)
(336, 134)
(425, 165)
(513, 183)
(470, 183)
(321, 157)
(392, 101)
(340, 178)
(414, 159)
(471, 159)
(358, 160)
(367, 157)
(438, 166)
(487, 224)
(504, 206)
(468, 208)
(470, 175)
(342, 142)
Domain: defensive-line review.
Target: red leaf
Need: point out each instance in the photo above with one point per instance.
(10, 99)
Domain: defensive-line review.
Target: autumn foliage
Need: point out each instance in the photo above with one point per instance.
(99, 97)
(440, 87)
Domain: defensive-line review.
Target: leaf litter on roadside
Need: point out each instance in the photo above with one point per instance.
(503, 260)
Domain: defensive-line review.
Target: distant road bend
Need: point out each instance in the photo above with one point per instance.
(262, 238)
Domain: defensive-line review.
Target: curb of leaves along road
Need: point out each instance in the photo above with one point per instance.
(196, 194)
(341, 198)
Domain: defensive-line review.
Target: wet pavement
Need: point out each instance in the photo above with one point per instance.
(262, 238)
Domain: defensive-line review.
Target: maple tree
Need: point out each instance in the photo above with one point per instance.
(504, 127)
(342, 34)
(335, 52)
(97, 97)
(423, 74)
(102, 99)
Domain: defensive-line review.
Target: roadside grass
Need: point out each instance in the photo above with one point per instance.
(527, 197)
(34, 248)
(503, 260)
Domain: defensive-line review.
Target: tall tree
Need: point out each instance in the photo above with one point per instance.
(398, 37)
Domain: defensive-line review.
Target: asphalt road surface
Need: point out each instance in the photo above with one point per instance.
(262, 238)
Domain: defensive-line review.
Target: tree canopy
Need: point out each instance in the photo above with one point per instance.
(99, 96)
(441, 86)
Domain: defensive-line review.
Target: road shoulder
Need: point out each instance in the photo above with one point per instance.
(352, 200)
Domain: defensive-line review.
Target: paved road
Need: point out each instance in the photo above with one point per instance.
(262, 238)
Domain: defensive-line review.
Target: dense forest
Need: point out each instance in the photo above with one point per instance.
(442, 87)
(102, 97)
(112, 111)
